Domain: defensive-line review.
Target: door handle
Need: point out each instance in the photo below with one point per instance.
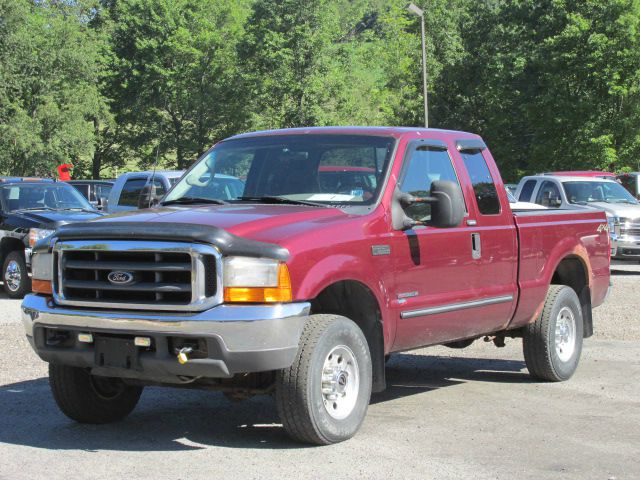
(476, 249)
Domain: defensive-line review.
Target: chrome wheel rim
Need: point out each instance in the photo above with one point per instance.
(340, 382)
(565, 334)
(13, 276)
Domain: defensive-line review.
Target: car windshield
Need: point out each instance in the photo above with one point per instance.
(324, 169)
(608, 192)
(45, 196)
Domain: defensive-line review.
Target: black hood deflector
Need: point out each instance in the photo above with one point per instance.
(226, 242)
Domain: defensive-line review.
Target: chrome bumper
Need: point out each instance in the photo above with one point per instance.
(240, 338)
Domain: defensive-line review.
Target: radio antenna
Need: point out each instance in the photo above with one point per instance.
(152, 185)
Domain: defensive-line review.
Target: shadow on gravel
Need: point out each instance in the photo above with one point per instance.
(624, 272)
(414, 374)
(182, 420)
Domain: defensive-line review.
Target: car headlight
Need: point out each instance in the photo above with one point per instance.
(255, 280)
(37, 234)
(42, 272)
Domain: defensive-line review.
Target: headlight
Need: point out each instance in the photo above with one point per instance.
(37, 234)
(256, 280)
(42, 273)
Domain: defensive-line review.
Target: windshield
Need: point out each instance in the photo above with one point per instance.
(608, 192)
(56, 196)
(331, 169)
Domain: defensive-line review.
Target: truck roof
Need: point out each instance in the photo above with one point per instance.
(354, 130)
(571, 178)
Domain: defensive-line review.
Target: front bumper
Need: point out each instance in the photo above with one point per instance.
(231, 339)
(627, 247)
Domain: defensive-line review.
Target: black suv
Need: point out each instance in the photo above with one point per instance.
(30, 211)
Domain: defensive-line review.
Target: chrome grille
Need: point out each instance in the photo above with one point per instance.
(137, 275)
(630, 229)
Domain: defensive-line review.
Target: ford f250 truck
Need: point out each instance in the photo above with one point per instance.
(301, 287)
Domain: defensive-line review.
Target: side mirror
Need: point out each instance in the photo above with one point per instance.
(103, 203)
(448, 210)
(447, 206)
(148, 197)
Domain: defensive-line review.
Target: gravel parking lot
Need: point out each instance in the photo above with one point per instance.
(470, 413)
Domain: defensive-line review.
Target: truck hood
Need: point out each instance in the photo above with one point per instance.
(624, 210)
(268, 223)
(54, 218)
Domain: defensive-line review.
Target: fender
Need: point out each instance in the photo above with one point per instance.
(344, 267)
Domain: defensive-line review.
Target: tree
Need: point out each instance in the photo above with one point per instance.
(48, 93)
(175, 75)
(552, 84)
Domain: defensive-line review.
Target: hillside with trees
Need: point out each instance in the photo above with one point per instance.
(112, 84)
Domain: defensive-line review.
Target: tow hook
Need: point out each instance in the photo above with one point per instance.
(183, 355)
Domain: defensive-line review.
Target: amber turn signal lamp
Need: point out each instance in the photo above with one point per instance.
(41, 286)
(278, 294)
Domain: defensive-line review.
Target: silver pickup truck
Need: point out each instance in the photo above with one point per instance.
(572, 192)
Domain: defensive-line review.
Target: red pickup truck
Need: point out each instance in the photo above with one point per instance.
(303, 285)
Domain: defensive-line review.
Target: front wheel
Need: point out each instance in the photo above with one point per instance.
(15, 275)
(553, 343)
(323, 397)
(88, 398)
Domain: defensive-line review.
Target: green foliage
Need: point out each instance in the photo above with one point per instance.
(49, 62)
(175, 75)
(106, 84)
(551, 84)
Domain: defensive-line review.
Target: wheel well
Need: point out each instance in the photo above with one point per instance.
(573, 273)
(9, 245)
(355, 301)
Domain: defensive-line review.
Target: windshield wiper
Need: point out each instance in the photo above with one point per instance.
(78, 209)
(273, 199)
(32, 208)
(193, 200)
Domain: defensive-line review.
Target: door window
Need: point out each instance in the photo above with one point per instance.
(423, 167)
(549, 195)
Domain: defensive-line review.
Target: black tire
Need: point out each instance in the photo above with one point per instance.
(546, 358)
(87, 398)
(302, 405)
(16, 288)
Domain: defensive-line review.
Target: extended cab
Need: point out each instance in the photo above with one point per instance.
(301, 286)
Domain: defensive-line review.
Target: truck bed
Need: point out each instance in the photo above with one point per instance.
(545, 237)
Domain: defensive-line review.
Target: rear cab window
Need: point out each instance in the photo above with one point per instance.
(527, 190)
(484, 187)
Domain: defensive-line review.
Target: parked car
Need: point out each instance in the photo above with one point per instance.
(516, 205)
(301, 290)
(135, 190)
(631, 181)
(623, 211)
(31, 211)
(96, 191)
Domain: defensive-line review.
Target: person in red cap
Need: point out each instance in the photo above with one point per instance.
(64, 171)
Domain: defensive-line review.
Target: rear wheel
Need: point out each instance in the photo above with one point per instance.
(15, 275)
(323, 397)
(553, 343)
(88, 398)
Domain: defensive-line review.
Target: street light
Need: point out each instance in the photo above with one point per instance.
(420, 13)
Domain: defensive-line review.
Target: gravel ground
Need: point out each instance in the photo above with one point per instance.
(470, 413)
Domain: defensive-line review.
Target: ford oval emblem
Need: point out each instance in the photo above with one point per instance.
(120, 278)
